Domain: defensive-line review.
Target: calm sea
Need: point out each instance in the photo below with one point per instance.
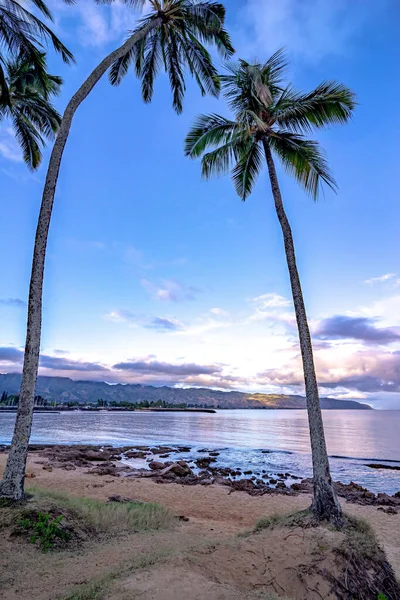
(353, 438)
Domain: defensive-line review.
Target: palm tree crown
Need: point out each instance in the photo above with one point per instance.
(22, 33)
(29, 107)
(176, 44)
(267, 110)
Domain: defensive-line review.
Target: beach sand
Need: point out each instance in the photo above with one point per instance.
(215, 516)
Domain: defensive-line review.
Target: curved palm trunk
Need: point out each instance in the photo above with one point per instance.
(12, 484)
(325, 504)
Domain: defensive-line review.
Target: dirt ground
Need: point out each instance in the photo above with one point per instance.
(200, 559)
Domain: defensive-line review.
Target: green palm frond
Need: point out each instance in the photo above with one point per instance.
(22, 32)
(304, 160)
(28, 138)
(200, 64)
(152, 64)
(247, 169)
(227, 155)
(275, 69)
(39, 112)
(266, 111)
(29, 107)
(208, 131)
(253, 87)
(175, 72)
(120, 68)
(206, 22)
(177, 44)
(330, 103)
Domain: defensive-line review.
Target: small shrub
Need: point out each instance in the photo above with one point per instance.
(44, 529)
(382, 597)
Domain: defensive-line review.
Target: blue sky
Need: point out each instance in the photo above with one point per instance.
(155, 276)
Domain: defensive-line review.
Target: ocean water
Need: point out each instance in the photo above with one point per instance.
(354, 438)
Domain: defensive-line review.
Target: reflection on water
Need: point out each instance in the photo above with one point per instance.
(354, 434)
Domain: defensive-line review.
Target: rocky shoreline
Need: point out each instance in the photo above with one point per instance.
(112, 461)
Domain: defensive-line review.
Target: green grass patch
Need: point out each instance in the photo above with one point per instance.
(90, 591)
(109, 517)
(360, 540)
(299, 519)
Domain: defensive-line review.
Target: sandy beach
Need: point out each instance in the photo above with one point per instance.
(214, 515)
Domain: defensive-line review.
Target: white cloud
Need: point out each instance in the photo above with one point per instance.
(220, 312)
(9, 147)
(267, 307)
(271, 301)
(380, 279)
(310, 29)
(98, 24)
(121, 316)
(170, 291)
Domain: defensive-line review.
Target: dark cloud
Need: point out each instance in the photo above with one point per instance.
(356, 328)
(63, 364)
(162, 368)
(365, 383)
(11, 355)
(17, 302)
(164, 325)
(16, 356)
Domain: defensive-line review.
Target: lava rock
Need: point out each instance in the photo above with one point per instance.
(156, 465)
(204, 463)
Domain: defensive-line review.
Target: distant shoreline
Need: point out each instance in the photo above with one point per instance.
(95, 409)
(100, 394)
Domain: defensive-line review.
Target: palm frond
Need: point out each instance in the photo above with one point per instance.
(175, 72)
(247, 169)
(208, 131)
(267, 112)
(152, 64)
(29, 139)
(22, 31)
(330, 103)
(253, 87)
(304, 160)
(32, 115)
(183, 29)
(227, 155)
(40, 113)
(120, 67)
(275, 69)
(206, 21)
(200, 64)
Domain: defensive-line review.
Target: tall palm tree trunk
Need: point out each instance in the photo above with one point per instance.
(12, 484)
(325, 504)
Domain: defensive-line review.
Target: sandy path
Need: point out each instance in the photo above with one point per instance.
(214, 514)
(212, 508)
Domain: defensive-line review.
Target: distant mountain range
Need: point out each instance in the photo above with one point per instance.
(88, 392)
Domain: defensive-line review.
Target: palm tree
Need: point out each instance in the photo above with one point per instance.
(271, 118)
(22, 34)
(28, 106)
(170, 37)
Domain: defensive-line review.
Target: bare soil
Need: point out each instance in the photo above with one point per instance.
(199, 559)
